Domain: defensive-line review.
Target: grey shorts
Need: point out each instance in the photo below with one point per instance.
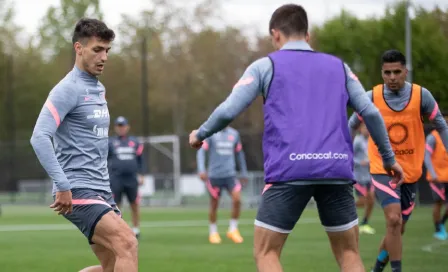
(404, 194)
(439, 191)
(282, 205)
(215, 186)
(89, 206)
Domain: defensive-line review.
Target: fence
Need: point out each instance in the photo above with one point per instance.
(23, 181)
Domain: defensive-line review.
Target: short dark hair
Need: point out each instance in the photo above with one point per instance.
(290, 19)
(393, 56)
(87, 28)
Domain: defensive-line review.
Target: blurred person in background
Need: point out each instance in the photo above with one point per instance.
(403, 105)
(363, 186)
(126, 168)
(221, 174)
(76, 119)
(436, 163)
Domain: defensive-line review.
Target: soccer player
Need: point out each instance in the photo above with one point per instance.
(75, 116)
(221, 175)
(364, 188)
(402, 105)
(307, 146)
(126, 167)
(436, 161)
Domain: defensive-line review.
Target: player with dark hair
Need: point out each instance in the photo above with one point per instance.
(402, 105)
(307, 146)
(220, 175)
(76, 117)
(126, 168)
(436, 161)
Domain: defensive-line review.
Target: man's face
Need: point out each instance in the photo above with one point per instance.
(121, 130)
(93, 54)
(394, 75)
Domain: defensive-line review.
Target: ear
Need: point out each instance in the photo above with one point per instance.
(307, 37)
(78, 48)
(275, 34)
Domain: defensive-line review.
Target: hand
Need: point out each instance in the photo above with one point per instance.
(364, 163)
(141, 180)
(63, 202)
(397, 174)
(203, 176)
(194, 142)
(243, 181)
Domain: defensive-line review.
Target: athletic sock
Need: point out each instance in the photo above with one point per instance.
(437, 225)
(233, 225)
(213, 228)
(365, 221)
(445, 218)
(381, 261)
(396, 266)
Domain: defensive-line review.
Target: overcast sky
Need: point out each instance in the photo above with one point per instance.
(253, 14)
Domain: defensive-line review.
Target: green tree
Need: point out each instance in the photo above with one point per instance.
(361, 43)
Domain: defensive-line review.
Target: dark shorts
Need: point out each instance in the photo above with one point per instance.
(363, 189)
(215, 186)
(282, 205)
(439, 191)
(89, 206)
(404, 194)
(127, 186)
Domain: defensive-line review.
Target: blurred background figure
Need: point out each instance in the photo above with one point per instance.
(363, 187)
(126, 168)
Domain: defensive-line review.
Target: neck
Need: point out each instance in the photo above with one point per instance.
(80, 67)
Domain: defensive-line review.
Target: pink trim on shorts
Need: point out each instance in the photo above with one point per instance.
(237, 187)
(361, 189)
(266, 187)
(438, 191)
(409, 210)
(385, 189)
(213, 191)
(89, 202)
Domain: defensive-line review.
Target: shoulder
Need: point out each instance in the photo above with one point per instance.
(425, 92)
(260, 66)
(134, 139)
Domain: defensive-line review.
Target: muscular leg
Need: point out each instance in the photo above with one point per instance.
(236, 204)
(131, 190)
(106, 258)
(112, 233)
(391, 245)
(212, 213)
(370, 202)
(346, 250)
(135, 211)
(268, 246)
(436, 210)
(361, 202)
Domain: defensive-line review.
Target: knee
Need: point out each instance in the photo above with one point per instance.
(394, 221)
(126, 244)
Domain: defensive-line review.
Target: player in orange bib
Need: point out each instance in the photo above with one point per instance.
(402, 105)
(436, 161)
